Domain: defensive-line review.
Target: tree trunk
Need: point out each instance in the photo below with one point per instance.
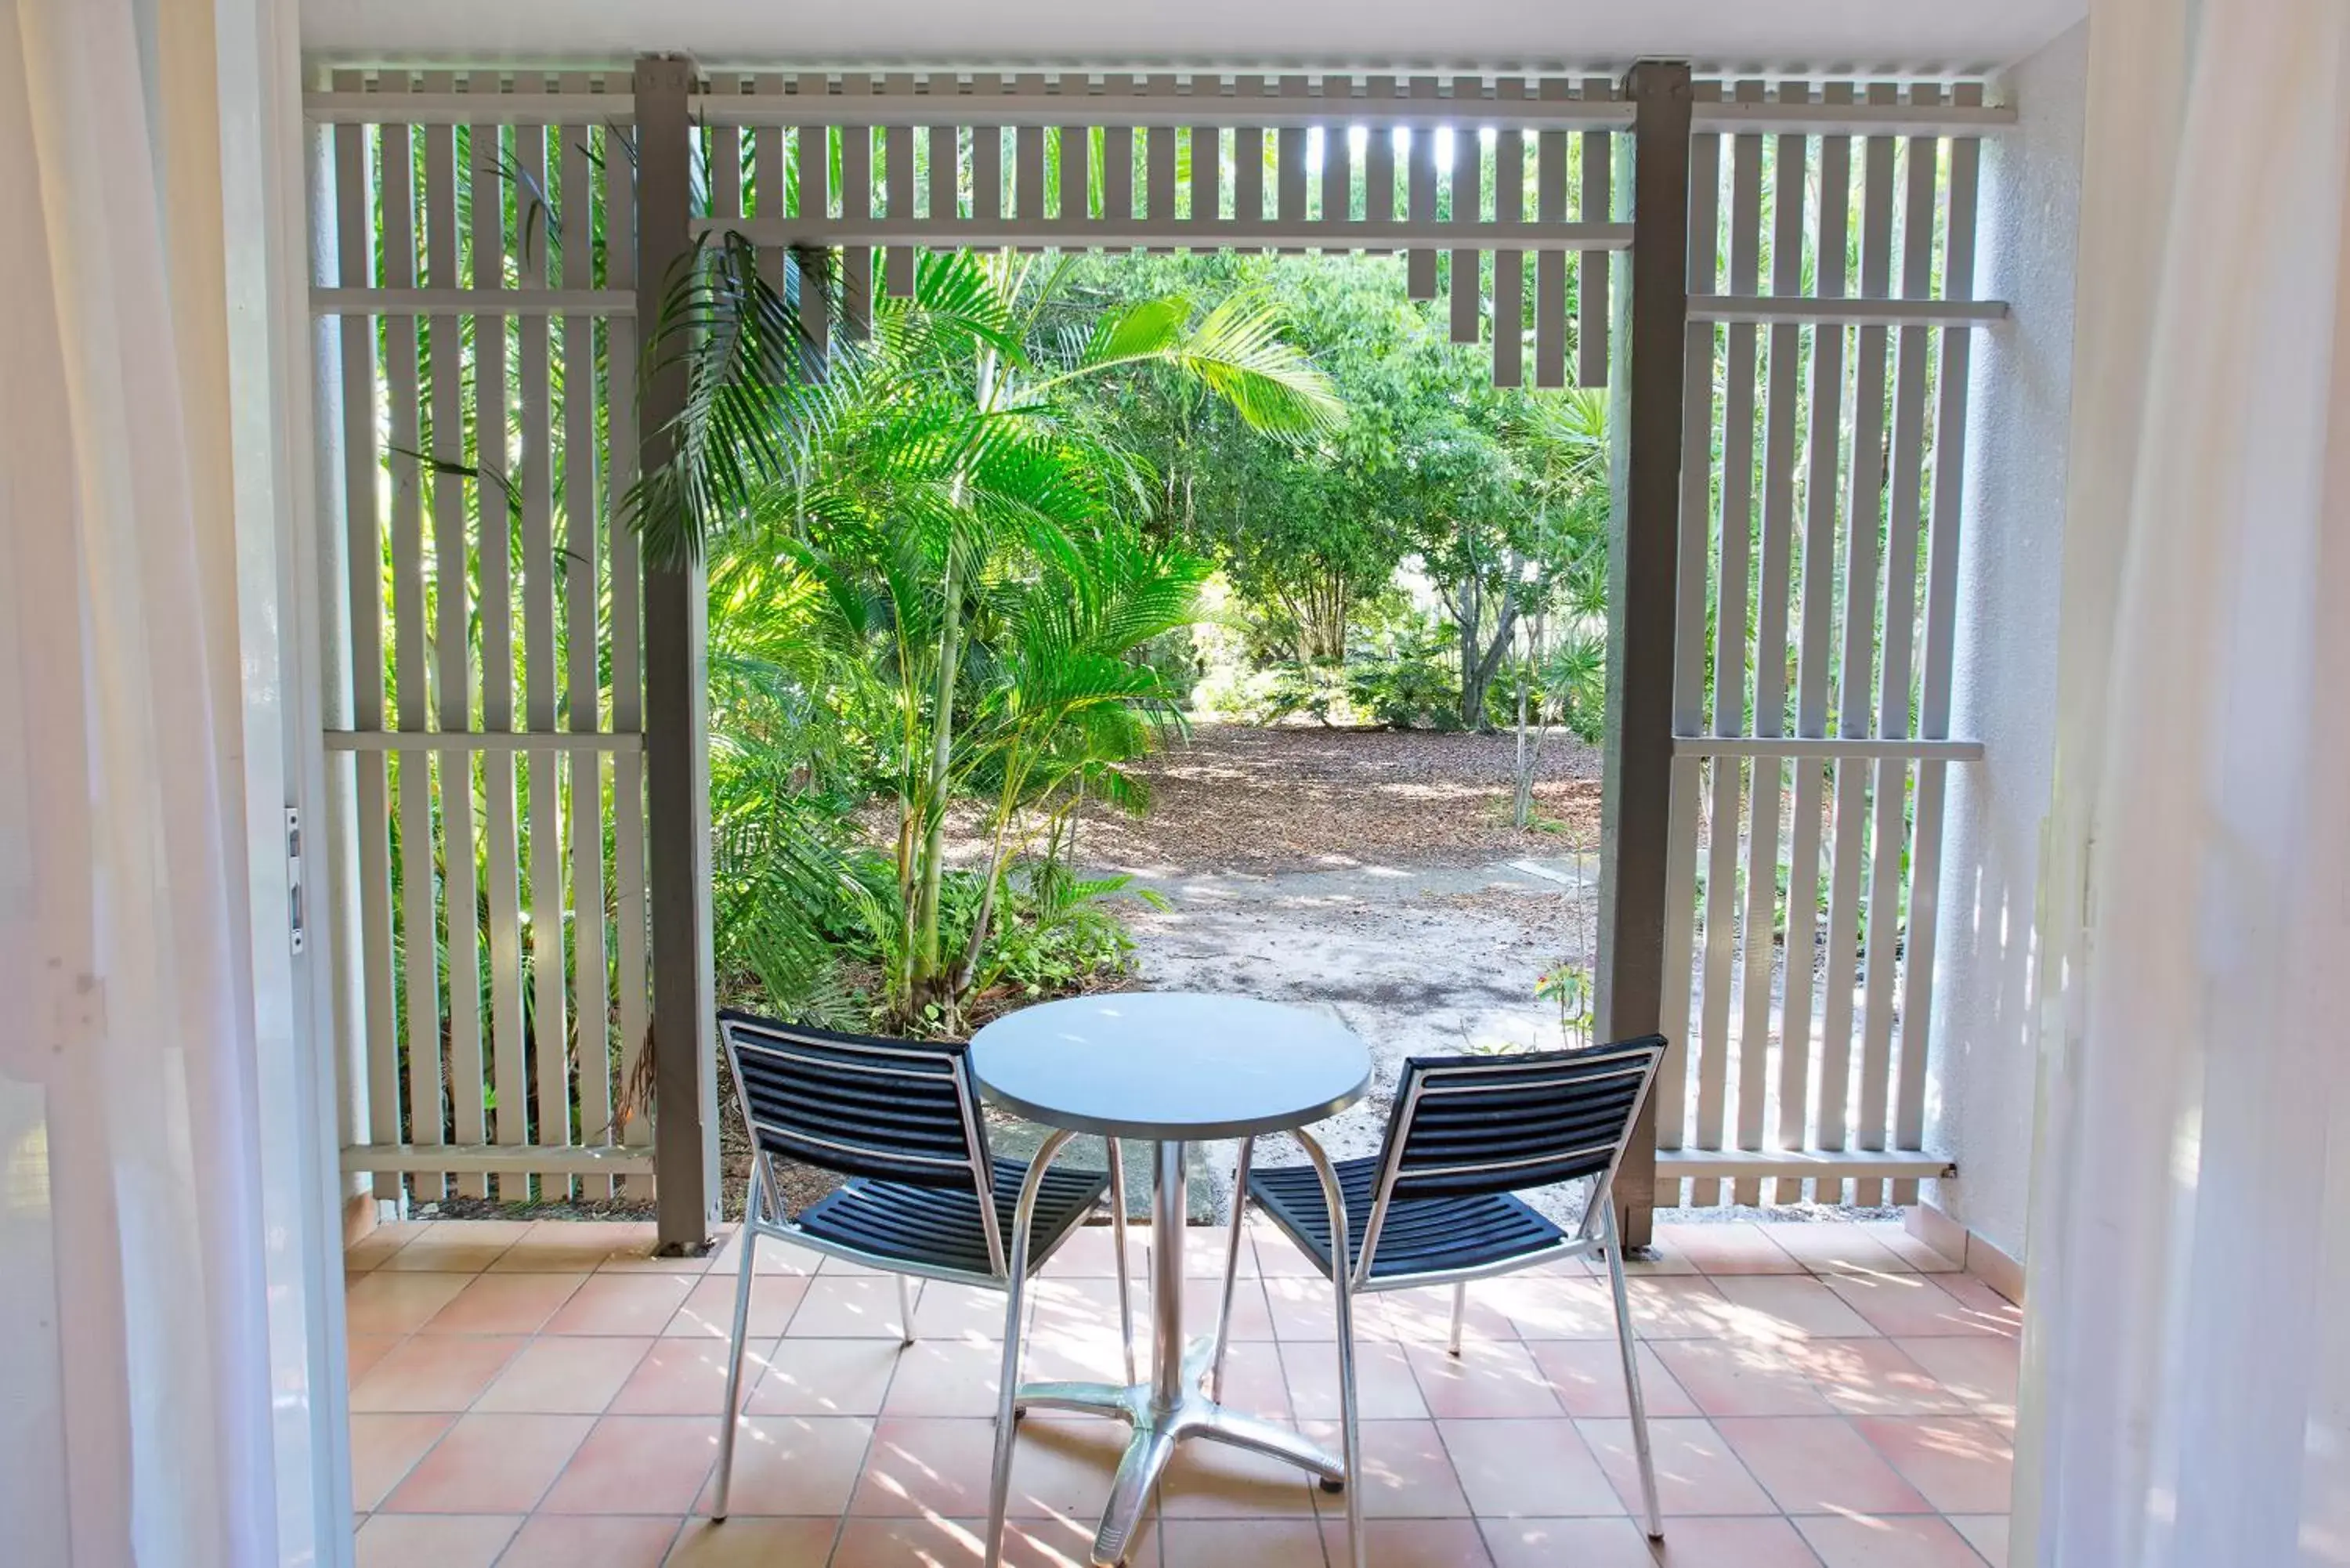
(931, 981)
(1524, 804)
(1477, 665)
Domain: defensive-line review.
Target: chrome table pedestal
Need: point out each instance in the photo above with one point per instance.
(1171, 1069)
(1170, 1408)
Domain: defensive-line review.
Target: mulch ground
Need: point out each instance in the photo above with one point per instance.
(1297, 797)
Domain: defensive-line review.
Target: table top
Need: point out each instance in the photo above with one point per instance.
(1170, 1065)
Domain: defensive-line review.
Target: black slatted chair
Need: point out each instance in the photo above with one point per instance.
(1439, 1204)
(900, 1120)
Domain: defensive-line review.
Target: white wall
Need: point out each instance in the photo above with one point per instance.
(1982, 1098)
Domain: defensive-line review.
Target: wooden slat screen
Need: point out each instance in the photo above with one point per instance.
(1435, 168)
(494, 622)
(486, 354)
(1831, 282)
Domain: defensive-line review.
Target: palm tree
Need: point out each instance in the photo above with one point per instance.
(930, 477)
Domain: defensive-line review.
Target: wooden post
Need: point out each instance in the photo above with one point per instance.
(677, 757)
(1645, 418)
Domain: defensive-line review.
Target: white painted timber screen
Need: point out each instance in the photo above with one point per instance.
(492, 604)
(1467, 178)
(1831, 260)
(481, 293)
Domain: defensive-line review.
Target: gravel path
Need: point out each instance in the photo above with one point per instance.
(1428, 961)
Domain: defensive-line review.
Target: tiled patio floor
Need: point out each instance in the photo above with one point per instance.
(545, 1394)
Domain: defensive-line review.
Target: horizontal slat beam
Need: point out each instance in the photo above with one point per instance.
(1272, 113)
(1804, 308)
(498, 1160)
(1830, 746)
(1122, 233)
(468, 109)
(1826, 1165)
(482, 740)
(1054, 109)
(473, 302)
(1848, 118)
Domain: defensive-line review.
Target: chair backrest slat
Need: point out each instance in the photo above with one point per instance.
(896, 1110)
(1469, 1126)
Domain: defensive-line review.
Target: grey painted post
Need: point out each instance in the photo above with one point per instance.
(1644, 415)
(677, 757)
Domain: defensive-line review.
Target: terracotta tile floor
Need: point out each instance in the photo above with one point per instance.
(545, 1394)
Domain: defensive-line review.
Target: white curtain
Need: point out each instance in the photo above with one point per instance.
(2187, 1356)
(134, 1387)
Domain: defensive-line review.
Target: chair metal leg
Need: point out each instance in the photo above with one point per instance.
(1000, 1488)
(1118, 1240)
(906, 1309)
(1631, 1362)
(1459, 1305)
(1342, 1293)
(735, 1349)
(1231, 1269)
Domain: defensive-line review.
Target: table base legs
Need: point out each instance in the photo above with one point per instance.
(1156, 1433)
(1171, 1406)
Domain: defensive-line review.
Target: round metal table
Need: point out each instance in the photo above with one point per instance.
(1168, 1068)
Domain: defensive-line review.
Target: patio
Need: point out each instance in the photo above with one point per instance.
(545, 1392)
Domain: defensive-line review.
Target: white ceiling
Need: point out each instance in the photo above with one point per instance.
(1810, 34)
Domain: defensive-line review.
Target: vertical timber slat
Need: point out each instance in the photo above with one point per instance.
(1510, 266)
(1941, 612)
(1338, 157)
(1466, 180)
(583, 645)
(677, 763)
(1248, 165)
(1077, 169)
(1855, 661)
(419, 907)
(509, 1069)
(1591, 266)
(1636, 830)
(1159, 159)
(1420, 266)
(1783, 390)
(1820, 497)
(1379, 155)
(363, 524)
(1207, 164)
(856, 206)
(1734, 525)
(1549, 263)
(1117, 153)
(451, 654)
(897, 176)
(627, 655)
(1905, 480)
(813, 264)
(766, 186)
(549, 1018)
(1731, 659)
(946, 156)
(1028, 161)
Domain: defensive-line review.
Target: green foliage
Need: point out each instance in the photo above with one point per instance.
(1269, 693)
(1572, 987)
(1492, 496)
(940, 573)
(1398, 671)
(1057, 934)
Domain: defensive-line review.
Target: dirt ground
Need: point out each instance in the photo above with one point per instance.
(1303, 797)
